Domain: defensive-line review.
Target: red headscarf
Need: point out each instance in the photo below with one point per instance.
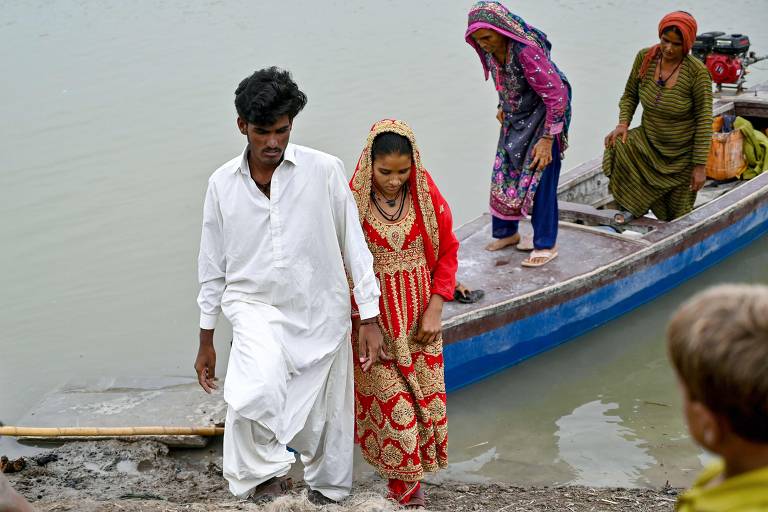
(687, 26)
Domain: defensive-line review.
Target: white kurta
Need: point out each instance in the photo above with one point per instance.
(274, 265)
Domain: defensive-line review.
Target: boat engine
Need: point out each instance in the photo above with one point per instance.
(726, 57)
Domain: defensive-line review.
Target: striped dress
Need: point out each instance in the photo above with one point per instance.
(653, 169)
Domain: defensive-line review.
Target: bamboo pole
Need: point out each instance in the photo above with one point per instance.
(109, 431)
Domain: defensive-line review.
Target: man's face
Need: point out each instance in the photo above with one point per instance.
(267, 143)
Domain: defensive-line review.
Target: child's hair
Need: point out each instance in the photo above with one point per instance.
(388, 143)
(718, 343)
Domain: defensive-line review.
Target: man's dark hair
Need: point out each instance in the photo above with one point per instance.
(268, 94)
(388, 143)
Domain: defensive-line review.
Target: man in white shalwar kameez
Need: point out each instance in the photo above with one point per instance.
(277, 221)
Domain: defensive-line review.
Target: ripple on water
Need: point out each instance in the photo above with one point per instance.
(601, 450)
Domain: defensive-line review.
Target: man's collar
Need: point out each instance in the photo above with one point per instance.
(289, 155)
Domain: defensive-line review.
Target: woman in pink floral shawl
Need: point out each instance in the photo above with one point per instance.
(534, 111)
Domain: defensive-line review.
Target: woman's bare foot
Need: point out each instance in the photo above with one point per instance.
(525, 244)
(501, 243)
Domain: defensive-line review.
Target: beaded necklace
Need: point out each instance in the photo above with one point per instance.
(391, 217)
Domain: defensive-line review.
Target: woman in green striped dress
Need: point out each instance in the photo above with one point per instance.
(659, 166)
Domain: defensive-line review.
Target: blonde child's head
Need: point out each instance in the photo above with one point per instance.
(718, 344)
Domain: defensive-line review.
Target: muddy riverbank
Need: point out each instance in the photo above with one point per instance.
(110, 476)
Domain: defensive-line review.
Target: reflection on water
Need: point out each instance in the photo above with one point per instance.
(470, 470)
(601, 450)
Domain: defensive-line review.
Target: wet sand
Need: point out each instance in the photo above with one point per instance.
(109, 476)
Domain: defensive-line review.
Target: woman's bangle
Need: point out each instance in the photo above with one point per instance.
(548, 137)
(368, 321)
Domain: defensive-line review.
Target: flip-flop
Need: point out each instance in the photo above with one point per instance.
(547, 254)
(467, 296)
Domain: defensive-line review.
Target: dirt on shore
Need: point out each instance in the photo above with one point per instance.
(111, 476)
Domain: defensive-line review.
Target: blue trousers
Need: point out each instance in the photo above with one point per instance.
(544, 215)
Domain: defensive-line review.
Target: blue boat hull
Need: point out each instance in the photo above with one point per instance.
(477, 356)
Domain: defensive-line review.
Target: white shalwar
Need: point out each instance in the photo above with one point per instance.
(274, 267)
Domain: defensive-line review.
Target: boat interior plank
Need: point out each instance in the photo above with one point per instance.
(502, 277)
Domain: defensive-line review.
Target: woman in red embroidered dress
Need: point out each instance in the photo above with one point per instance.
(400, 405)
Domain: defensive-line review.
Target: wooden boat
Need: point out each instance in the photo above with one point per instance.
(602, 270)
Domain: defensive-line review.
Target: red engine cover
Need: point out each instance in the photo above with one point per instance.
(724, 69)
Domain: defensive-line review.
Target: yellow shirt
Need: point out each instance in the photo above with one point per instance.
(747, 492)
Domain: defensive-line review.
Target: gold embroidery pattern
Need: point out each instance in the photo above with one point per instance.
(392, 456)
(409, 441)
(390, 263)
(372, 445)
(395, 234)
(376, 415)
(437, 409)
(428, 214)
(402, 413)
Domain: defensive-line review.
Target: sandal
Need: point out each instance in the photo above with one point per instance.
(271, 489)
(410, 497)
(623, 217)
(319, 499)
(546, 255)
(466, 296)
(418, 499)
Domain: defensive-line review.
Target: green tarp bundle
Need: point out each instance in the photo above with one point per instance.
(755, 148)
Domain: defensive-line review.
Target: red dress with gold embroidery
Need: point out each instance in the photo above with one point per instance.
(400, 404)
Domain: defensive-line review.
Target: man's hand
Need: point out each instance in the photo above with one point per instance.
(205, 364)
(370, 345)
(698, 177)
(431, 323)
(542, 154)
(500, 116)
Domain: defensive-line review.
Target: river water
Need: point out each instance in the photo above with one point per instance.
(115, 113)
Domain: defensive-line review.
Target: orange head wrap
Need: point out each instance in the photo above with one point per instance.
(687, 26)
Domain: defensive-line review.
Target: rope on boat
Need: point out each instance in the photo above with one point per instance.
(109, 431)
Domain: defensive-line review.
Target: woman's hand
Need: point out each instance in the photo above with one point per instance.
(542, 154)
(500, 116)
(431, 323)
(698, 177)
(619, 132)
